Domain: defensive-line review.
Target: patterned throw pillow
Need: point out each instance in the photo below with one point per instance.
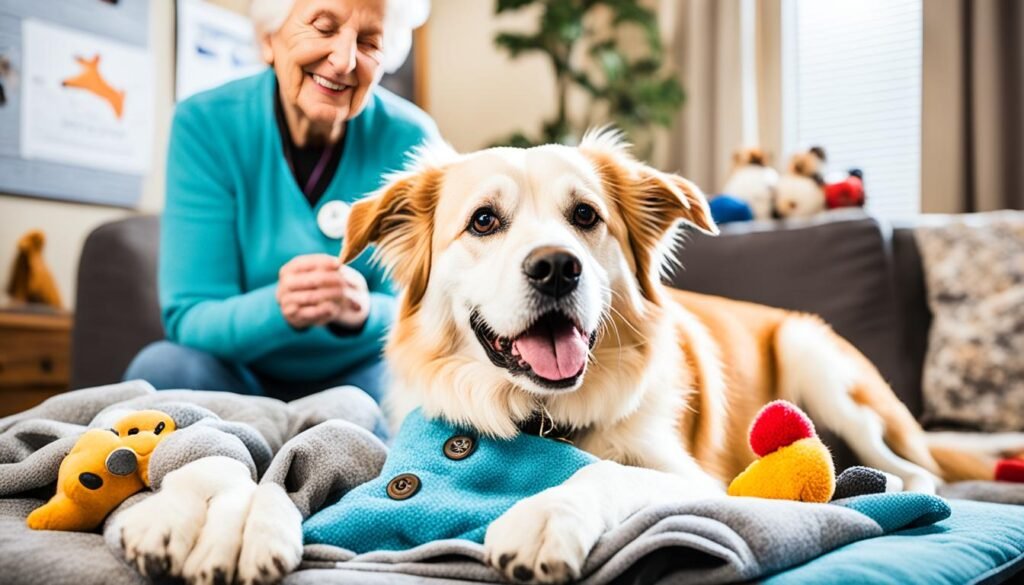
(974, 369)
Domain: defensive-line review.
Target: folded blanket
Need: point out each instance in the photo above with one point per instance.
(247, 428)
(712, 541)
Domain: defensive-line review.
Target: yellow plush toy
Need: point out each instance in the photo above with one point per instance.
(104, 468)
(794, 464)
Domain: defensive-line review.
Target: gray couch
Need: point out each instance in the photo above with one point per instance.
(861, 275)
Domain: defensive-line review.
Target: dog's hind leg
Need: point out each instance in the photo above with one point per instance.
(842, 391)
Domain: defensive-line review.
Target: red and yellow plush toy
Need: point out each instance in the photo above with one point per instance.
(104, 468)
(794, 464)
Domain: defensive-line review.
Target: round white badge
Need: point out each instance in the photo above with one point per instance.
(332, 219)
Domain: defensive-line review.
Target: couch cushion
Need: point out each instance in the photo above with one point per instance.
(974, 368)
(978, 543)
(117, 311)
(908, 278)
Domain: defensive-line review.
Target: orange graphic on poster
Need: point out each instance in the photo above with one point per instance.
(90, 80)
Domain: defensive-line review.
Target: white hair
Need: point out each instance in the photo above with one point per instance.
(400, 19)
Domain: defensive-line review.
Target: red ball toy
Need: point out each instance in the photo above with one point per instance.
(779, 423)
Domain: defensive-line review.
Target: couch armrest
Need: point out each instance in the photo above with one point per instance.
(117, 311)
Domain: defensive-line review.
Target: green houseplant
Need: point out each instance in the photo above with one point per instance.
(625, 83)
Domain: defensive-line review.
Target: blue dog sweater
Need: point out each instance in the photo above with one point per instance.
(440, 482)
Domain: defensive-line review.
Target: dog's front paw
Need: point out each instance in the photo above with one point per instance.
(192, 527)
(272, 542)
(159, 532)
(542, 539)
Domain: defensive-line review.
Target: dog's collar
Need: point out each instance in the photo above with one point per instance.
(541, 425)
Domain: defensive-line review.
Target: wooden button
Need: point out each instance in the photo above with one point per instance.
(459, 447)
(403, 486)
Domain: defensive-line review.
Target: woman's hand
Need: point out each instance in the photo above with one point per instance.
(316, 289)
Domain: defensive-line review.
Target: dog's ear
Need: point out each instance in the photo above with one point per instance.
(399, 219)
(652, 203)
(651, 210)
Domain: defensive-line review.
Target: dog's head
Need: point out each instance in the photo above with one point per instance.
(514, 261)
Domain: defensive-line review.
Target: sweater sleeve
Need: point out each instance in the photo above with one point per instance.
(203, 302)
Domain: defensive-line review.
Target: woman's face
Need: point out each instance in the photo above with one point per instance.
(327, 55)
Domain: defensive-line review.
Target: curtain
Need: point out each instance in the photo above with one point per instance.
(972, 143)
(728, 55)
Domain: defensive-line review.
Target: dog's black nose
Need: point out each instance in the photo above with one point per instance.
(554, 272)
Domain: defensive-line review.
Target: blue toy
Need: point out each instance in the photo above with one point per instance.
(726, 208)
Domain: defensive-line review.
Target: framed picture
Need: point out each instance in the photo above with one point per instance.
(77, 100)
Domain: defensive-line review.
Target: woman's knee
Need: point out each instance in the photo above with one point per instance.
(372, 378)
(167, 365)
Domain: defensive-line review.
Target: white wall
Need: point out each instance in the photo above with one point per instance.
(476, 93)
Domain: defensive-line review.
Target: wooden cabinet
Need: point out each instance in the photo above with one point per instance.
(35, 359)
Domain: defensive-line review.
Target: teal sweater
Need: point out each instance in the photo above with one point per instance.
(446, 496)
(234, 215)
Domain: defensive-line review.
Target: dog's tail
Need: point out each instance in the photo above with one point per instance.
(964, 456)
(952, 456)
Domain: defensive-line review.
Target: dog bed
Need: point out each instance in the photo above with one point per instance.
(895, 537)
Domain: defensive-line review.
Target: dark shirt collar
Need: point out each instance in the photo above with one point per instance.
(304, 162)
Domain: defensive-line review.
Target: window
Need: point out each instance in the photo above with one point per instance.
(852, 84)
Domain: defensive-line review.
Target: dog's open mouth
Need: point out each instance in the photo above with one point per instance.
(552, 352)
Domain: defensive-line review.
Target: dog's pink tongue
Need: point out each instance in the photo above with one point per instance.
(554, 353)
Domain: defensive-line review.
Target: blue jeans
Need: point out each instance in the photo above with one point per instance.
(167, 366)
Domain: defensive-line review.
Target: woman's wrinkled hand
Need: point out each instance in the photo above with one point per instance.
(316, 289)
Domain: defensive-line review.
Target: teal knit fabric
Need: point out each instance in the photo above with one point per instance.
(896, 511)
(456, 498)
(234, 215)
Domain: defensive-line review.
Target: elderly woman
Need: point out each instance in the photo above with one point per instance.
(260, 173)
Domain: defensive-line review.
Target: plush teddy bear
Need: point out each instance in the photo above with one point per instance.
(103, 469)
(752, 182)
(800, 192)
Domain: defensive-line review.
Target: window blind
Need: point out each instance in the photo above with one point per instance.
(856, 90)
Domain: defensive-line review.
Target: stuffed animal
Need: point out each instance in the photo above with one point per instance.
(103, 469)
(846, 193)
(752, 182)
(794, 464)
(800, 192)
(727, 209)
(31, 280)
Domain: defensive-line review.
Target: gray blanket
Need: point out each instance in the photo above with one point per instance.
(321, 446)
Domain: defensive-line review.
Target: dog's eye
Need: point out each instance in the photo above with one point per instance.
(584, 216)
(484, 221)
